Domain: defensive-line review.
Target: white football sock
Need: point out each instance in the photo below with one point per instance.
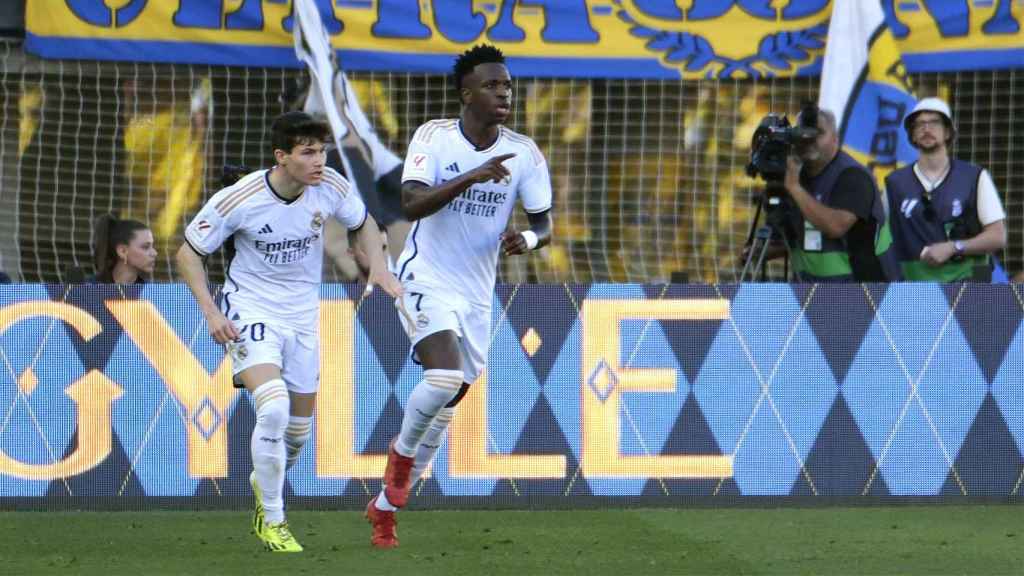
(296, 435)
(268, 449)
(383, 504)
(437, 389)
(430, 443)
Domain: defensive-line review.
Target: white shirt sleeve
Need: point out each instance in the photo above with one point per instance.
(535, 187)
(212, 225)
(420, 160)
(990, 209)
(349, 208)
(351, 211)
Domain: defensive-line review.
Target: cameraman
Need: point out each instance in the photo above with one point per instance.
(841, 230)
(946, 215)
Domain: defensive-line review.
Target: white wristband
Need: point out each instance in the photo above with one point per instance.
(531, 239)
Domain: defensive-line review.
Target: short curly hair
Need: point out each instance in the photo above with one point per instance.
(470, 59)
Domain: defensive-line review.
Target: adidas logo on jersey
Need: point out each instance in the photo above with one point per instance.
(266, 229)
(453, 167)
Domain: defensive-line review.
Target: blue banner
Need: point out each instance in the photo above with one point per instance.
(582, 38)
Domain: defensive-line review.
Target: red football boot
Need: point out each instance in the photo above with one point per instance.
(385, 534)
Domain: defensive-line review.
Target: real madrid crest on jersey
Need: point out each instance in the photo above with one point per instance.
(318, 221)
(238, 351)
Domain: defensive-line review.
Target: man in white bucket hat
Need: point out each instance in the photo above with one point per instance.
(945, 214)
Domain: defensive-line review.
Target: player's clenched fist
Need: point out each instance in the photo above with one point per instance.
(513, 242)
(491, 171)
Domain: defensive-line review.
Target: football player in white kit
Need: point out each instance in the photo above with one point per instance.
(271, 224)
(462, 179)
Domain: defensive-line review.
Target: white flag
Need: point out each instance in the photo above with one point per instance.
(363, 155)
(864, 82)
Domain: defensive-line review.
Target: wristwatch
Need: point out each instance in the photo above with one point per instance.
(959, 246)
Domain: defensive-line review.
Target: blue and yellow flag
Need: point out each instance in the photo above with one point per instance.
(865, 83)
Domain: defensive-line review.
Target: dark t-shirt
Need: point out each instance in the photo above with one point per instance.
(106, 279)
(855, 192)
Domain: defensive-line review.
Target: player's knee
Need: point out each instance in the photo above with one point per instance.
(444, 379)
(272, 405)
(274, 416)
(464, 387)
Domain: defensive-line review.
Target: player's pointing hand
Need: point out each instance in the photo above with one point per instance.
(491, 171)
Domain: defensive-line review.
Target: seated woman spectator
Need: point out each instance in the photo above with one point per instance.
(123, 251)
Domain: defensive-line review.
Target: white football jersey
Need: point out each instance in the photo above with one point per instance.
(274, 247)
(457, 247)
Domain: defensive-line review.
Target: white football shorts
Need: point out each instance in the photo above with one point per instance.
(432, 310)
(296, 353)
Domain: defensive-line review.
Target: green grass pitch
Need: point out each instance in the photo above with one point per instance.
(978, 539)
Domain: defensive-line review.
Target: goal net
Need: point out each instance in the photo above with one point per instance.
(648, 175)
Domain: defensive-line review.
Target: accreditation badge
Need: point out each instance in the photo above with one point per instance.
(812, 238)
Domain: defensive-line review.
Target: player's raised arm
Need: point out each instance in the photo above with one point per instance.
(420, 200)
(193, 272)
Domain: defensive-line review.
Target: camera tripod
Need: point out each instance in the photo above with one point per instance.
(760, 237)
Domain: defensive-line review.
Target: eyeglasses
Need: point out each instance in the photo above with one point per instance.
(927, 123)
